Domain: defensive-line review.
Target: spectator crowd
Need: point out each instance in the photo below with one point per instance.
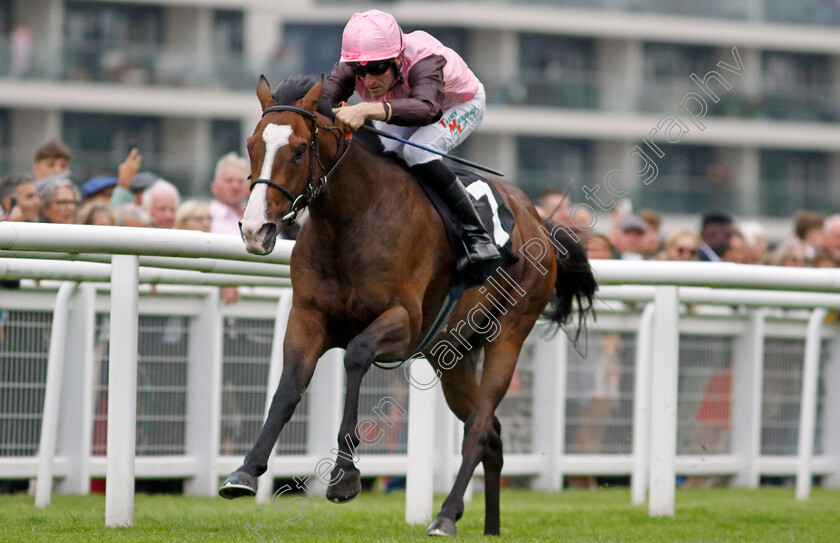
(814, 240)
(131, 197)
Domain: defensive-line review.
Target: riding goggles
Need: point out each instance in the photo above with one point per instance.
(373, 67)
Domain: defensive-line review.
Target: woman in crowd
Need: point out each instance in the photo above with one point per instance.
(96, 213)
(193, 215)
(682, 245)
(60, 200)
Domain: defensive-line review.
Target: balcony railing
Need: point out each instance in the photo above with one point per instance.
(136, 64)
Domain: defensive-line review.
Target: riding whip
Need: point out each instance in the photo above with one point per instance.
(459, 160)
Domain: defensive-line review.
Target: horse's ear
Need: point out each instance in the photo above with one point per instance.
(264, 93)
(310, 101)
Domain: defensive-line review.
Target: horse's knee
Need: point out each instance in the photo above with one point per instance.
(497, 425)
(286, 398)
(484, 440)
(360, 354)
(477, 437)
(414, 155)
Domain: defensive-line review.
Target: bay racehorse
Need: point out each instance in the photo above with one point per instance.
(370, 270)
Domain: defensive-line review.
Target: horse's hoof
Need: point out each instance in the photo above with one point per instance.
(442, 526)
(345, 489)
(238, 484)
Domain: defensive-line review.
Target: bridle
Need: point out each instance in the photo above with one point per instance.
(313, 189)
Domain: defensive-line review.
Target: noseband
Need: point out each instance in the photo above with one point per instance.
(312, 190)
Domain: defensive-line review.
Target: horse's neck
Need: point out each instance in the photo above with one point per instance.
(356, 186)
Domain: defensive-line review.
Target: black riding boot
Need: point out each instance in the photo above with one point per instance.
(480, 248)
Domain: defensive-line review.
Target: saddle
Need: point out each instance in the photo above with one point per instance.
(497, 219)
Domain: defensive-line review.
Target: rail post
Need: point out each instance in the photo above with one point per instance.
(663, 404)
(122, 392)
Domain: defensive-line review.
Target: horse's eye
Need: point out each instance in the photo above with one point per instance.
(300, 150)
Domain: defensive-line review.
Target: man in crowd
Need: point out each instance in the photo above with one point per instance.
(652, 240)
(831, 236)
(628, 238)
(54, 157)
(716, 234)
(19, 199)
(230, 191)
(160, 201)
(98, 189)
(808, 227)
(554, 205)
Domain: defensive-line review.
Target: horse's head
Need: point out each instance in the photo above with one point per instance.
(283, 151)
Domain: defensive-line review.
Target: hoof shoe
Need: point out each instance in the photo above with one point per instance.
(346, 489)
(238, 484)
(442, 526)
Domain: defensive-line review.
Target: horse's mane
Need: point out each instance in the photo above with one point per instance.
(292, 89)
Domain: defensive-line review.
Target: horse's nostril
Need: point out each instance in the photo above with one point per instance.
(267, 233)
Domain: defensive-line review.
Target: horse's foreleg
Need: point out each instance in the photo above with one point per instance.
(388, 335)
(303, 345)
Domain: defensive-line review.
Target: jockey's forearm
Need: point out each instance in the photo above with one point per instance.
(376, 111)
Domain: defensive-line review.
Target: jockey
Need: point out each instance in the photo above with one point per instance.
(415, 88)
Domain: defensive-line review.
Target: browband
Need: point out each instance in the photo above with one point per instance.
(308, 114)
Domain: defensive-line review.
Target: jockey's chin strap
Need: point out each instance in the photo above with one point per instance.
(313, 189)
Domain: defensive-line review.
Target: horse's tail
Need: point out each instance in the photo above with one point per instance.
(575, 284)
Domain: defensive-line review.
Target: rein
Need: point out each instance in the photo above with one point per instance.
(312, 190)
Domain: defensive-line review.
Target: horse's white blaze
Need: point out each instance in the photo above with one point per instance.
(275, 136)
(255, 211)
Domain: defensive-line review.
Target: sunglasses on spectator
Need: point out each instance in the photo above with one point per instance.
(688, 250)
(374, 67)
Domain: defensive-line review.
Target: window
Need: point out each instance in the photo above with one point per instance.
(792, 180)
(551, 163)
(100, 142)
(111, 42)
(809, 12)
(315, 48)
(558, 71)
(229, 64)
(5, 143)
(227, 137)
(797, 86)
(228, 32)
(5, 33)
(666, 74)
(5, 17)
(691, 179)
(666, 61)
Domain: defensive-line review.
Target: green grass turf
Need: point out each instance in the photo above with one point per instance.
(702, 515)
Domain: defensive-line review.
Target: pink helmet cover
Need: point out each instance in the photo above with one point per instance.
(372, 35)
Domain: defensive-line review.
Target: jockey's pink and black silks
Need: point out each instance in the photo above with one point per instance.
(455, 125)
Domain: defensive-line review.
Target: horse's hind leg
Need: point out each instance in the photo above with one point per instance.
(303, 344)
(493, 462)
(482, 439)
(387, 336)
